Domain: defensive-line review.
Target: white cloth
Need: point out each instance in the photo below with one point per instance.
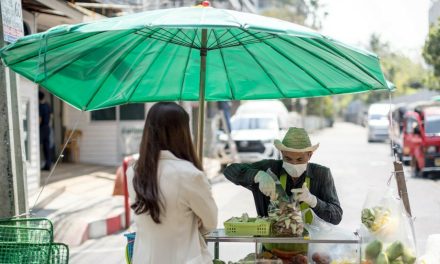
(187, 196)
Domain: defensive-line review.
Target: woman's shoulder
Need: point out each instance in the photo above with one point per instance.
(186, 167)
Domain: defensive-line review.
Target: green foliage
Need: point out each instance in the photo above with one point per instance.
(407, 75)
(399, 69)
(431, 50)
(431, 54)
(321, 106)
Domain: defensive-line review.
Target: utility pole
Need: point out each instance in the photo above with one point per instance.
(13, 185)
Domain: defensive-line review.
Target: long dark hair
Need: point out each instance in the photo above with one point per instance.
(166, 128)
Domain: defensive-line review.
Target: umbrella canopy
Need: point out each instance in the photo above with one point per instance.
(156, 56)
(192, 53)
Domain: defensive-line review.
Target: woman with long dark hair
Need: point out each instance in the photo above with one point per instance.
(170, 195)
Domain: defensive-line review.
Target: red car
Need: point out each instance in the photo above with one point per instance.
(421, 139)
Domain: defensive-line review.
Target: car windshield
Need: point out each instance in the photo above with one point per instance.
(432, 125)
(377, 117)
(254, 123)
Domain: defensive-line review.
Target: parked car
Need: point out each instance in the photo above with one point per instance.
(254, 128)
(421, 139)
(378, 122)
(254, 136)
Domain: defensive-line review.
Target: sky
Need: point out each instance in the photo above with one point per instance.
(402, 23)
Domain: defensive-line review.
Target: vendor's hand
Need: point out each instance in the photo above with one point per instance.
(304, 195)
(199, 223)
(266, 184)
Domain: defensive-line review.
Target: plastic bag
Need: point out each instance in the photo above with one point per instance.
(285, 213)
(386, 229)
(327, 253)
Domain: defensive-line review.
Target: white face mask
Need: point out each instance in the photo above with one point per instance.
(294, 170)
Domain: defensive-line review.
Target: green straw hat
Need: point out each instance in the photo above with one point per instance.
(295, 140)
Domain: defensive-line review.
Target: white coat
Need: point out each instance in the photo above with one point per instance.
(187, 196)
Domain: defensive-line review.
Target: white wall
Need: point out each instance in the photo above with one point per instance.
(98, 144)
(29, 99)
(29, 114)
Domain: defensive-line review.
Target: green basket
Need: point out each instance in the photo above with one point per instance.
(29, 253)
(59, 253)
(26, 230)
(25, 235)
(30, 240)
(250, 228)
(28, 222)
(34, 253)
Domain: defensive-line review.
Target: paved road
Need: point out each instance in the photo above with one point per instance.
(358, 168)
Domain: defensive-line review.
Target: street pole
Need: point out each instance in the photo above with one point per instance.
(13, 186)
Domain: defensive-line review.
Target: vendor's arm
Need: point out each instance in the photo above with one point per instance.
(243, 174)
(327, 206)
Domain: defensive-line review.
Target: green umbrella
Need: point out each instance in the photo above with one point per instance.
(166, 55)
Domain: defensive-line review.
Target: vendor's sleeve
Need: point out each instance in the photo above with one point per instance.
(328, 207)
(243, 174)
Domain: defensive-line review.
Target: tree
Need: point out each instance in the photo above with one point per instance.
(431, 53)
(309, 13)
(406, 75)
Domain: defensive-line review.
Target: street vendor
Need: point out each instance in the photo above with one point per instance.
(313, 182)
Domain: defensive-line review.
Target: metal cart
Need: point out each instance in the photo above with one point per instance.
(219, 235)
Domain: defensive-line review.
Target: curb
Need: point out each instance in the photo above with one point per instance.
(103, 218)
(103, 227)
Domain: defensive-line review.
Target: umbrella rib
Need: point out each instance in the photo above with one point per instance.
(361, 67)
(53, 48)
(176, 36)
(184, 70)
(297, 64)
(218, 39)
(236, 44)
(209, 36)
(120, 60)
(229, 40)
(197, 36)
(226, 69)
(327, 61)
(261, 66)
(146, 70)
(183, 32)
(163, 37)
(82, 55)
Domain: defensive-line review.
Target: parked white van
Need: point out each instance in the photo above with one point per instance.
(378, 122)
(254, 128)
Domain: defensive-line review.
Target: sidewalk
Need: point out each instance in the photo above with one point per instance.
(78, 199)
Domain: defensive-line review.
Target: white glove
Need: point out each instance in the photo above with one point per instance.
(304, 195)
(266, 184)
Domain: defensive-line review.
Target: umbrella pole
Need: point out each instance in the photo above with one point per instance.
(201, 117)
